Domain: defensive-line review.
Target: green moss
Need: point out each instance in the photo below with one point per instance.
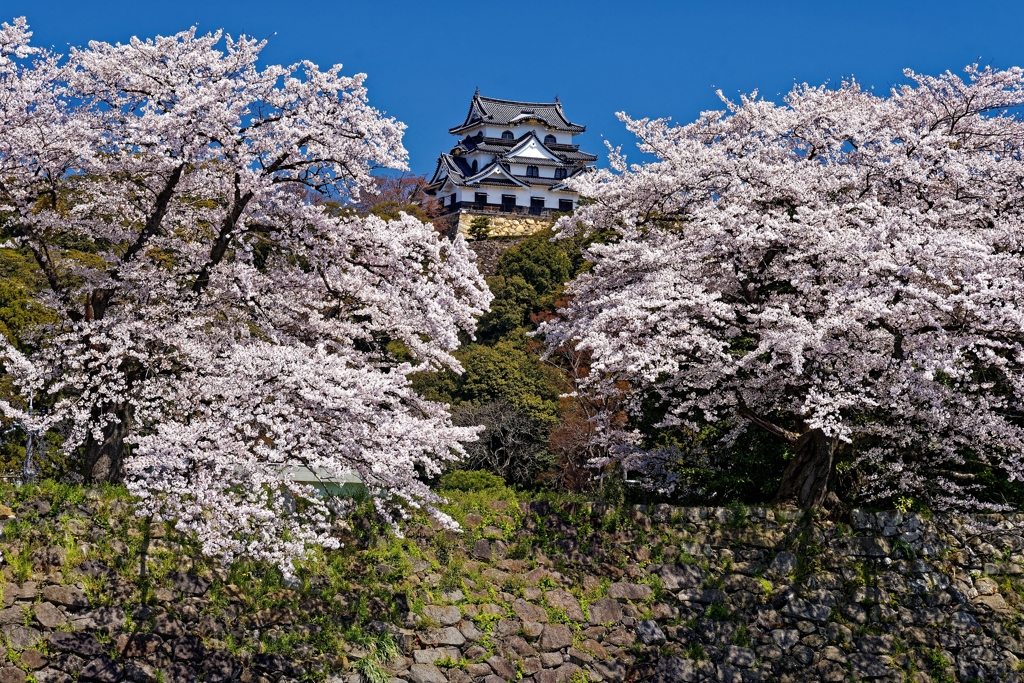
(477, 480)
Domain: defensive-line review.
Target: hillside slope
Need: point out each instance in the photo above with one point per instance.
(536, 591)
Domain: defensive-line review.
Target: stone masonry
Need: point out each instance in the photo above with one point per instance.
(540, 593)
(502, 225)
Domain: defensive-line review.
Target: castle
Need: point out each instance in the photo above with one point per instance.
(511, 165)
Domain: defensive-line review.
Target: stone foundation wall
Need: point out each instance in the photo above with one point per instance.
(511, 225)
(535, 592)
(667, 594)
(489, 251)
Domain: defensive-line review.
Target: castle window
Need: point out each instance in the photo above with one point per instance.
(549, 139)
(481, 198)
(565, 205)
(532, 172)
(536, 205)
(508, 202)
(507, 135)
(559, 172)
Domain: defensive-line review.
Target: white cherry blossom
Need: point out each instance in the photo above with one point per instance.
(223, 318)
(842, 269)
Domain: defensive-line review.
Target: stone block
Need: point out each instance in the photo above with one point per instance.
(801, 609)
(448, 635)
(47, 614)
(704, 596)
(784, 564)
(443, 615)
(529, 612)
(870, 666)
(605, 611)
(564, 600)
(555, 637)
(862, 546)
(502, 667)
(677, 576)
(12, 674)
(426, 673)
(650, 633)
(101, 669)
(21, 637)
(740, 656)
(629, 591)
(885, 644)
(69, 596)
(785, 638)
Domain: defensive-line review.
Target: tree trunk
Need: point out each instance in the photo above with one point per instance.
(104, 458)
(806, 479)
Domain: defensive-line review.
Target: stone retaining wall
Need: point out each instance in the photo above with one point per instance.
(538, 593)
(688, 594)
(502, 225)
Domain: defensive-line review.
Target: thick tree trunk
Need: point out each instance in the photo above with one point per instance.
(104, 458)
(805, 481)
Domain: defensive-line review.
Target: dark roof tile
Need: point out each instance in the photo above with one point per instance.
(497, 112)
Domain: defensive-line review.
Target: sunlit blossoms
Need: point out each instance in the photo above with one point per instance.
(843, 270)
(223, 319)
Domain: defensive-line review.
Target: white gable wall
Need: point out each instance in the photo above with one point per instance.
(523, 195)
(533, 149)
(519, 131)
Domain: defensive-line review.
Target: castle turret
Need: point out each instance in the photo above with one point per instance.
(511, 164)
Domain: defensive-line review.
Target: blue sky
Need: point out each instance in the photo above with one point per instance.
(652, 59)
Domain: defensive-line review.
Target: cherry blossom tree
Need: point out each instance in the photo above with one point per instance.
(223, 319)
(841, 269)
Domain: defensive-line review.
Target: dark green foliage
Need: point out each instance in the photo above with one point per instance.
(20, 280)
(466, 480)
(514, 300)
(748, 470)
(505, 387)
(531, 275)
(492, 373)
(717, 611)
(539, 262)
(480, 228)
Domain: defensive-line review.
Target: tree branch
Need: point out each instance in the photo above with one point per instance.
(746, 414)
(152, 227)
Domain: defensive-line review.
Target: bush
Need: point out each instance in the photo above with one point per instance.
(471, 480)
(480, 228)
(503, 372)
(514, 300)
(512, 446)
(540, 262)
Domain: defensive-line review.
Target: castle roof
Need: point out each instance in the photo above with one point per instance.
(558, 153)
(495, 112)
(498, 173)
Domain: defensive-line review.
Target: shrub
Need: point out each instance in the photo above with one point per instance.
(514, 299)
(512, 445)
(504, 372)
(471, 480)
(480, 228)
(539, 262)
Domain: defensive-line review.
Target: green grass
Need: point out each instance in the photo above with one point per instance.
(938, 666)
(695, 651)
(718, 611)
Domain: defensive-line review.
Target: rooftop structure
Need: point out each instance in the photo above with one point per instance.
(512, 159)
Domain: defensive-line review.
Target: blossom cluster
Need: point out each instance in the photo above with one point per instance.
(223, 318)
(841, 263)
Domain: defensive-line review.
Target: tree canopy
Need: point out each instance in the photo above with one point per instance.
(841, 270)
(219, 318)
